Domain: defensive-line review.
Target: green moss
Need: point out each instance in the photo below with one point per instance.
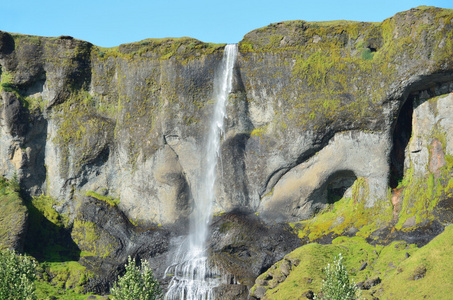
(435, 284)
(64, 276)
(45, 205)
(62, 280)
(92, 239)
(80, 129)
(420, 196)
(107, 199)
(6, 81)
(12, 213)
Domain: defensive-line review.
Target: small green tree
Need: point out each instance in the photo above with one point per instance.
(17, 276)
(137, 283)
(337, 285)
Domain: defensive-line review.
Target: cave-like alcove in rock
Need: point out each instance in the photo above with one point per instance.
(333, 189)
(401, 136)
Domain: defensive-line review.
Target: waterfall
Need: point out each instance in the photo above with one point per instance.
(193, 277)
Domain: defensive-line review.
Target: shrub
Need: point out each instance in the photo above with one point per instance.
(17, 276)
(137, 283)
(337, 286)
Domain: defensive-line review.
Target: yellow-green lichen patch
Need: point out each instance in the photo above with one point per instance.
(107, 199)
(82, 133)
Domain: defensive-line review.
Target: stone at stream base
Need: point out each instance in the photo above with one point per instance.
(231, 291)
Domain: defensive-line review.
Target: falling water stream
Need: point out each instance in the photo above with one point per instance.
(193, 277)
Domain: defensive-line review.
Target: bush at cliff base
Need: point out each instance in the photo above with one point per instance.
(17, 276)
(137, 283)
(337, 286)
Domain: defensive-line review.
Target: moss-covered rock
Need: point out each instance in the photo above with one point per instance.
(106, 238)
(305, 82)
(13, 216)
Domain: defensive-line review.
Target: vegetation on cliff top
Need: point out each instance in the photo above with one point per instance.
(342, 72)
(181, 49)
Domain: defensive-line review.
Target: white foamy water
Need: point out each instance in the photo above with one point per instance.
(193, 277)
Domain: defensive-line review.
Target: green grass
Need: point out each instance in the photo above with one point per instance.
(438, 280)
(66, 278)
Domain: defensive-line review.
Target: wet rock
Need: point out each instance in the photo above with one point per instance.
(249, 247)
(231, 291)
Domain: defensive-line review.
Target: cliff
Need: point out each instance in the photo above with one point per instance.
(318, 136)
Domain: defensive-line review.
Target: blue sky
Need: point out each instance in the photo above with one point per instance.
(110, 23)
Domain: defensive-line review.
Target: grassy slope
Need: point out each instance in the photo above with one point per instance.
(389, 263)
(435, 257)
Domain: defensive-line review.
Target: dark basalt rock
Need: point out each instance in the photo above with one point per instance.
(13, 113)
(242, 245)
(7, 44)
(366, 285)
(419, 235)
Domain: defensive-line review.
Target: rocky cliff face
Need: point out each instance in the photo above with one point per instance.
(130, 122)
(314, 113)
